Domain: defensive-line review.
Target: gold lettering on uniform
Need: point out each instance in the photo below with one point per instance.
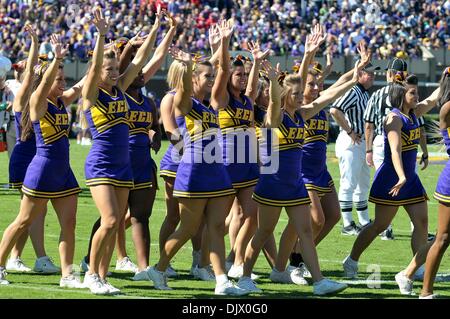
(112, 107)
(145, 117)
(133, 116)
(295, 133)
(121, 106)
(209, 118)
(312, 125)
(414, 134)
(61, 119)
(320, 124)
(239, 113)
(246, 115)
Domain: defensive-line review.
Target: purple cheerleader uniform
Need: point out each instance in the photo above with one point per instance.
(442, 192)
(108, 161)
(314, 165)
(140, 120)
(282, 185)
(49, 174)
(239, 143)
(21, 156)
(386, 177)
(201, 173)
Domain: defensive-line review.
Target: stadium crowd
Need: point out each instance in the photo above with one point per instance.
(392, 28)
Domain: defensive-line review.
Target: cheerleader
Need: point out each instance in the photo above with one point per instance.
(21, 156)
(202, 185)
(108, 169)
(396, 182)
(49, 176)
(442, 194)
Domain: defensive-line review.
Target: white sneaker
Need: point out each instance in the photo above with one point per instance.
(296, 276)
(289, 276)
(95, 284)
(159, 279)
(3, 280)
(420, 272)
(84, 266)
(170, 272)
(304, 271)
(126, 265)
(228, 288)
(350, 268)
(142, 275)
(237, 272)
(16, 264)
(71, 282)
(404, 283)
(46, 266)
(111, 289)
(248, 284)
(204, 273)
(433, 296)
(327, 286)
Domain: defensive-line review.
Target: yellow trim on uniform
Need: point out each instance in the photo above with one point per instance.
(398, 203)
(40, 194)
(220, 193)
(15, 185)
(234, 128)
(312, 187)
(246, 183)
(132, 98)
(103, 109)
(410, 147)
(115, 95)
(138, 130)
(109, 181)
(314, 139)
(55, 137)
(281, 203)
(142, 186)
(112, 123)
(165, 172)
(441, 197)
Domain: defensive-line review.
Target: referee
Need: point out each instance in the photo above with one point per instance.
(377, 109)
(348, 112)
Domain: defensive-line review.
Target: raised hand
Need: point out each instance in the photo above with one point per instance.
(57, 47)
(214, 35)
(137, 40)
(315, 39)
(272, 74)
(181, 56)
(256, 52)
(100, 22)
(365, 55)
(173, 23)
(226, 28)
(159, 14)
(31, 32)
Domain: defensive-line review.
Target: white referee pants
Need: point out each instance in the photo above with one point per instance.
(378, 151)
(355, 173)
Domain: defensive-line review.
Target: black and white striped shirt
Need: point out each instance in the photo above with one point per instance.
(378, 108)
(353, 105)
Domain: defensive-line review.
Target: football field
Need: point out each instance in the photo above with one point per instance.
(378, 265)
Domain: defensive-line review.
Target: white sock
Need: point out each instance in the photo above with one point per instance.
(221, 279)
(363, 212)
(347, 218)
(412, 227)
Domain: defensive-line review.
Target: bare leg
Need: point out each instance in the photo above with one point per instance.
(66, 210)
(191, 215)
(216, 211)
(236, 221)
(383, 217)
(438, 248)
(332, 213)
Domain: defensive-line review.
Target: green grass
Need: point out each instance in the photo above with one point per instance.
(391, 256)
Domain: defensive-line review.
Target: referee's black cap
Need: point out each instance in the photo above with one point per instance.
(397, 65)
(371, 68)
